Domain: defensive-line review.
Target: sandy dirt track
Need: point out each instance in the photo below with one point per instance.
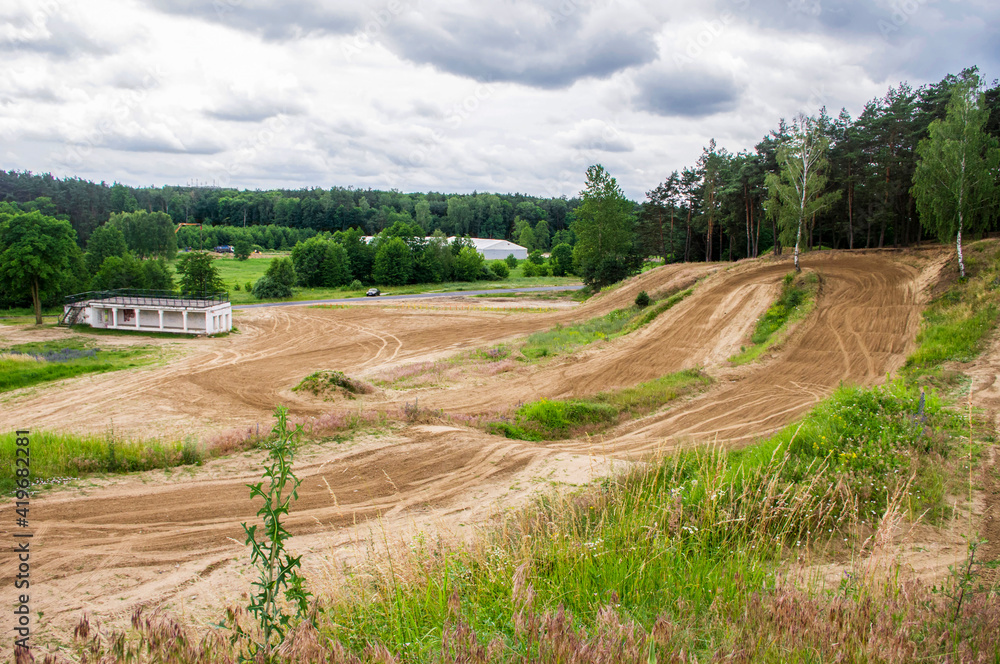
(167, 538)
(236, 381)
(866, 318)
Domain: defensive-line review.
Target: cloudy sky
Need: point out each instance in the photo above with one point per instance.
(446, 95)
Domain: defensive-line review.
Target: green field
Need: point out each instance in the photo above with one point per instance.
(238, 273)
(24, 365)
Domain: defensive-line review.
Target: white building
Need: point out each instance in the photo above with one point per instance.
(491, 250)
(149, 311)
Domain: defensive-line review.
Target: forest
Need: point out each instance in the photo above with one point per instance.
(823, 181)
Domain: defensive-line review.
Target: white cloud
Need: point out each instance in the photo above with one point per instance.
(445, 96)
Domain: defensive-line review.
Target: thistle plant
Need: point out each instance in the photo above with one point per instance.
(278, 571)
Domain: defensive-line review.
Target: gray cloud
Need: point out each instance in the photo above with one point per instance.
(134, 79)
(160, 144)
(541, 44)
(271, 20)
(253, 110)
(528, 43)
(36, 94)
(592, 80)
(685, 93)
(52, 35)
(919, 38)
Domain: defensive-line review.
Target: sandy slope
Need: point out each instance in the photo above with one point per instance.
(165, 538)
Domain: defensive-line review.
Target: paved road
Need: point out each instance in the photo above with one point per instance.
(415, 296)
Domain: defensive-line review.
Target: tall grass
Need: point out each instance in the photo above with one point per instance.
(61, 455)
(957, 323)
(58, 457)
(679, 542)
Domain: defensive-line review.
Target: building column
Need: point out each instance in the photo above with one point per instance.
(185, 321)
(160, 311)
(114, 317)
(208, 322)
(136, 310)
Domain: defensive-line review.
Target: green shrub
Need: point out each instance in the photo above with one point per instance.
(281, 270)
(511, 261)
(248, 287)
(500, 269)
(536, 257)
(642, 300)
(561, 260)
(242, 249)
(549, 420)
(468, 264)
(530, 269)
(356, 285)
(267, 288)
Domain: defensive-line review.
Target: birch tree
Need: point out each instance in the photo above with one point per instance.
(796, 193)
(955, 183)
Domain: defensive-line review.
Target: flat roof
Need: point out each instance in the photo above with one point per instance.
(154, 303)
(147, 299)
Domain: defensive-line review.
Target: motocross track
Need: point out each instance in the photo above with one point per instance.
(237, 380)
(866, 318)
(172, 538)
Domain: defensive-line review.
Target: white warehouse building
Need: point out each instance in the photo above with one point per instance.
(149, 311)
(491, 250)
(497, 249)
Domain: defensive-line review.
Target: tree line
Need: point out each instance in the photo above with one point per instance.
(88, 205)
(718, 208)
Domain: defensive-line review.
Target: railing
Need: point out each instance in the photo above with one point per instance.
(151, 298)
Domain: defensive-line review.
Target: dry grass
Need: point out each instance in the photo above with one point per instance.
(18, 357)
